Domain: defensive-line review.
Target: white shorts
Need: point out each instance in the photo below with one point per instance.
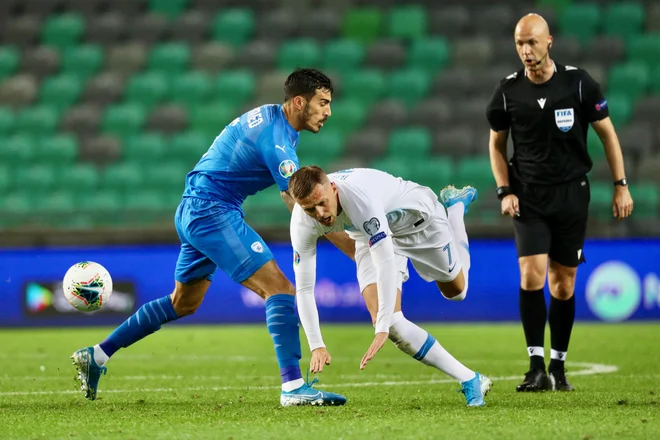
(366, 270)
(431, 250)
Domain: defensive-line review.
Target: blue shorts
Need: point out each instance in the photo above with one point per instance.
(215, 235)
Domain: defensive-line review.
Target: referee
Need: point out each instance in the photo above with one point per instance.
(548, 108)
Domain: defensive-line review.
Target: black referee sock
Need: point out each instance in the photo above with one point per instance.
(533, 315)
(561, 318)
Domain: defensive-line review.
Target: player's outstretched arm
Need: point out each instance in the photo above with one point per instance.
(622, 202)
(386, 281)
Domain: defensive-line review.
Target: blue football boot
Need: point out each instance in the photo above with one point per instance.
(89, 372)
(476, 389)
(306, 395)
(450, 196)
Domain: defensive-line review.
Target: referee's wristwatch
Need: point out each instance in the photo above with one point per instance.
(503, 191)
(622, 182)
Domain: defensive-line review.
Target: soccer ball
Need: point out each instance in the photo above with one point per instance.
(87, 286)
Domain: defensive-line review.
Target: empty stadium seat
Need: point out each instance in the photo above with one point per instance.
(363, 24)
(233, 26)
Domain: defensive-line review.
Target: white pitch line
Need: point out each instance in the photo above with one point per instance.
(589, 369)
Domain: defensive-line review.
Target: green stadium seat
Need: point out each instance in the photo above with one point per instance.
(233, 26)
(266, 208)
(6, 183)
(171, 58)
(407, 22)
(61, 91)
(83, 61)
(147, 89)
(475, 171)
(581, 21)
(9, 57)
(18, 149)
(7, 121)
(168, 176)
(56, 205)
(630, 79)
(189, 146)
(298, 53)
(235, 87)
(347, 115)
(62, 31)
(39, 120)
(168, 8)
(123, 175)
(647, 198)
(654, 80)
(79, 175)
(210, 119)
(362, 24)
(621, 107)
(409, 86)
(624, 19)
(123, 119)
(190, 89)
(145, 148)
(58, 149)
(434, 172)
(105, 206)
(556, 6)
(394, 166)
(18, 204)
(600, 206)
(367, 85)
(645, 49)
(328, 142)
(343, 56)
(409, 142)
(431, 54)
(144, 206)
(37, 178)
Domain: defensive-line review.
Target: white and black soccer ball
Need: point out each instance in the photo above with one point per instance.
(87, 286)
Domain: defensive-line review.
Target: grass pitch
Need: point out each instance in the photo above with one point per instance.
(223, 383)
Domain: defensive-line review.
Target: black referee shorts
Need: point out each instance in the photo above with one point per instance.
(553, 220)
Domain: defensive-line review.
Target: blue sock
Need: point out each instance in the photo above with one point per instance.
(144, 322)
(282, 323)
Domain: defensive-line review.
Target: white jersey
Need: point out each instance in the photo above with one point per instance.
(375, 208)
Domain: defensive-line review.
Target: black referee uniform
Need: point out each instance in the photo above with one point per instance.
(548, 123)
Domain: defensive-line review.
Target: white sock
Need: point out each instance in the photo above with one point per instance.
(417, 343)
(456, 214)
(292, 385)
(99, 356)
(558, 355)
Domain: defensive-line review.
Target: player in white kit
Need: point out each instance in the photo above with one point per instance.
(391, 220)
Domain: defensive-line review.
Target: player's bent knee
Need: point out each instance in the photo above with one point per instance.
(532, 272)
(269, 280)
(455, 290)
(187, 297)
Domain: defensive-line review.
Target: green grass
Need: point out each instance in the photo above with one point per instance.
(222, 383)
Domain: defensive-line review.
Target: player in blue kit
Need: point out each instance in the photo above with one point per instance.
(250, 154)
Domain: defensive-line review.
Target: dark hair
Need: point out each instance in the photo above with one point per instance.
(305, 82)
(303, 181)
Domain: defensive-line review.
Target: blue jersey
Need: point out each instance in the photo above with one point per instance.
(250, 154)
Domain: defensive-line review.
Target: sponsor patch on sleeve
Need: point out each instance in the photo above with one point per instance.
(601, 105)
(376, 238)
(296, 258)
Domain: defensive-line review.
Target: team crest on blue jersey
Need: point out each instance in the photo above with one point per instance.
(564, 118)
(287, 168)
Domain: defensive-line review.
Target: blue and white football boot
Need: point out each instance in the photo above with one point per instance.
(89, 373)
(306, 395)
(450, 195)
(476, 389)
